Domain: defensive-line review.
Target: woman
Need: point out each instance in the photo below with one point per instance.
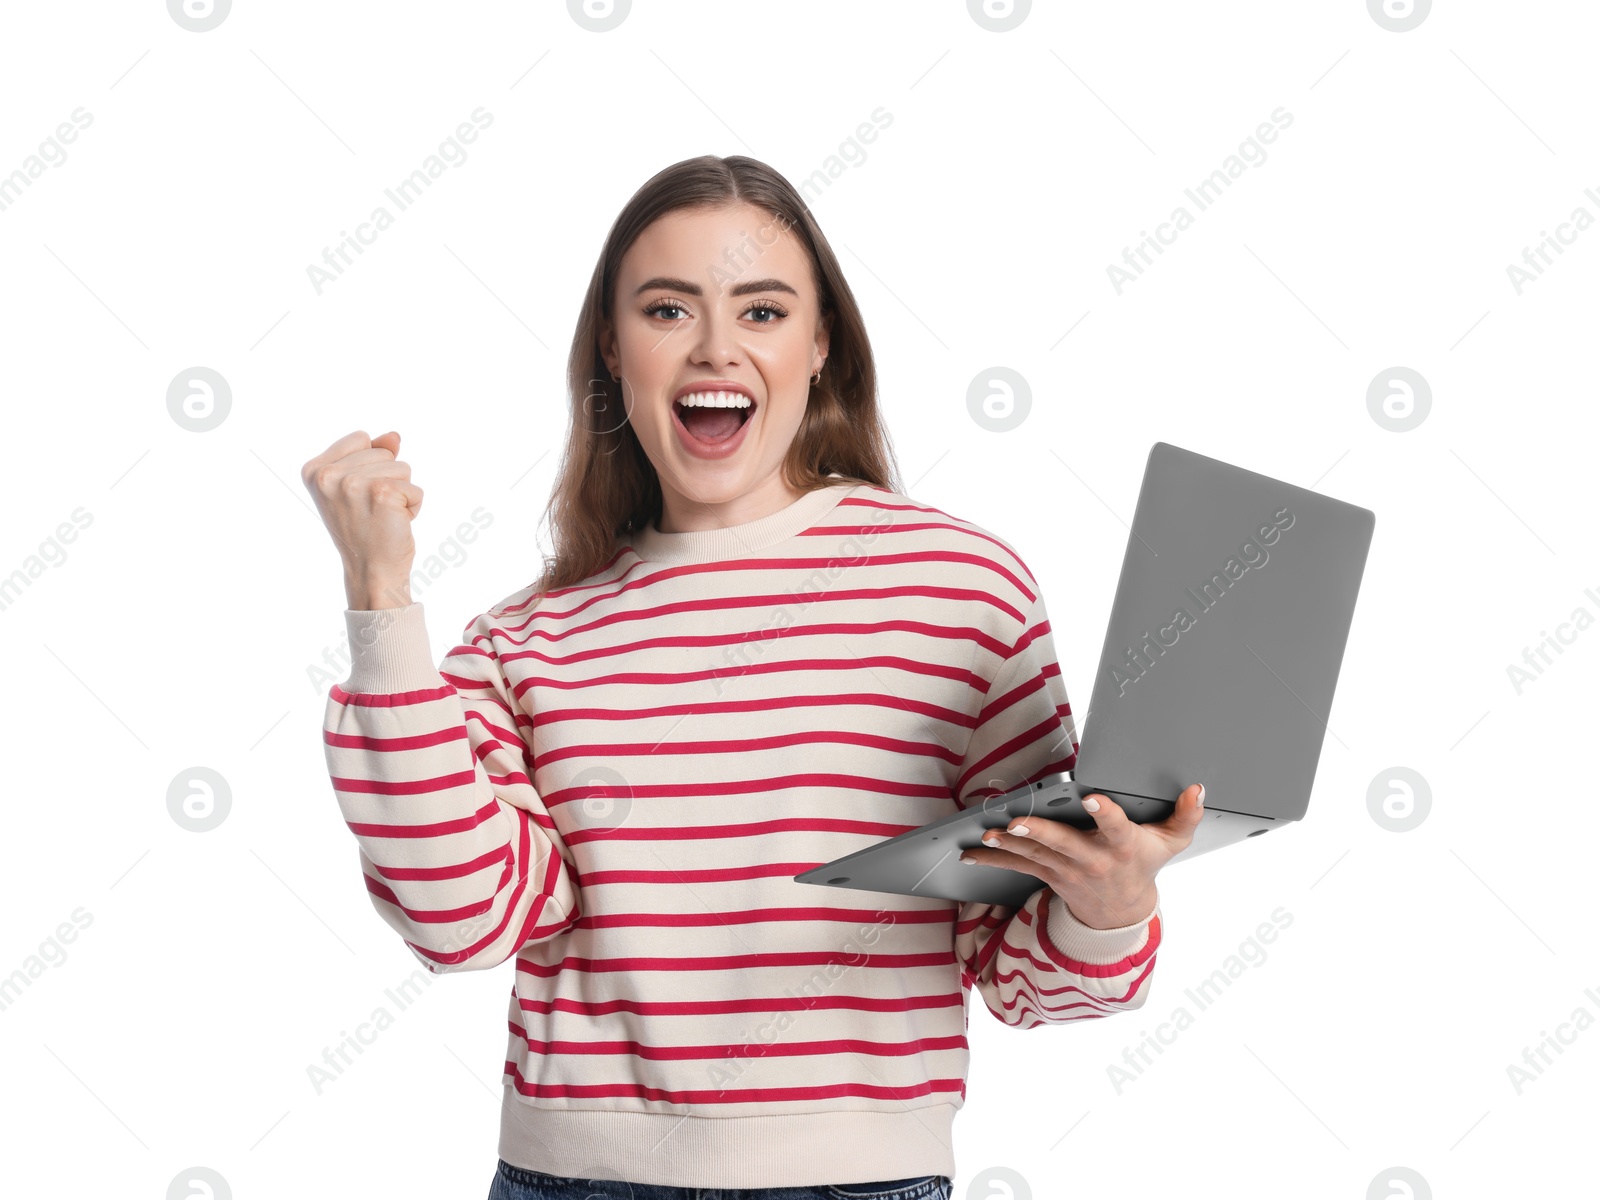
(750, 654)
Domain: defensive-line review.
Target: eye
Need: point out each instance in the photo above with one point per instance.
(766, 306)
(661, 305)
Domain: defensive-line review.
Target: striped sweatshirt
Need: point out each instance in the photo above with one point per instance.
(612, 787)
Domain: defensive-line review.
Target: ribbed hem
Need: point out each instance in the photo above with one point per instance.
(671, 1149)
(1087, 944)
(735, 541)
(389, 651)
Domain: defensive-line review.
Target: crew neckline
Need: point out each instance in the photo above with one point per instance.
(748, 537)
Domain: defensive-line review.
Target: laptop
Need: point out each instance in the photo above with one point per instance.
(1218, 667)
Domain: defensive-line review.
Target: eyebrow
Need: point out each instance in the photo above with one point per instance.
(666, 283)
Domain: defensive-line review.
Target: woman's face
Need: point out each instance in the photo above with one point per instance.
(716, 301)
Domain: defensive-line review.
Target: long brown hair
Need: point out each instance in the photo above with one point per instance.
(606, 485)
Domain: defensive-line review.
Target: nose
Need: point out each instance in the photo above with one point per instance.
(715, 343)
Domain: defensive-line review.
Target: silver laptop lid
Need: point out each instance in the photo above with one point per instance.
(1225, 638)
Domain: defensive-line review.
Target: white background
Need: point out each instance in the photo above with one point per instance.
(181, 626)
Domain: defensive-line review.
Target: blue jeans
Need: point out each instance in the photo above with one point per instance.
(516, 1183)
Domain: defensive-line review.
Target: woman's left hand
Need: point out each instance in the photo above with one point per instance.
(1106, 876)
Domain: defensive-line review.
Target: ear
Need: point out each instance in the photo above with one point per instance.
(824, 328)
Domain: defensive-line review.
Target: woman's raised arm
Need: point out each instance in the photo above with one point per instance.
(429, 766)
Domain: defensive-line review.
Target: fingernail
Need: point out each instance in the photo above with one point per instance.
(1020, 830)
(1090, 804)
(1202, 798)
(994, 842)
(967, 858)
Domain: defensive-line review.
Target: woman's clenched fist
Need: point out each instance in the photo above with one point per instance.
(365, 497)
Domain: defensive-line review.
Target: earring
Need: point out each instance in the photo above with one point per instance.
(817, 378)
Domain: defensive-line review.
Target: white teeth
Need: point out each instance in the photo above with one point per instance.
(715, 400)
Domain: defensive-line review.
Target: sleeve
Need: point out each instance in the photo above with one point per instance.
(1040, 965)
(433, 777)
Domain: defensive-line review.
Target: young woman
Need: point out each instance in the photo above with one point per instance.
(750, 654)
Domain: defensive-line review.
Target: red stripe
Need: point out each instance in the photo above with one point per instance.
(652, 614)
(852, 629)
(759, 1004)
(748, 916)
(766, 870)
(737, 962)
(448, 871)
(775, 1049)
(389, 699)
(388, 745)
(727, 1095)
(747, 787)
(430, 829)
(776, 704)
(939, 559)
(830, 699)
(684, 833)
(819, 737)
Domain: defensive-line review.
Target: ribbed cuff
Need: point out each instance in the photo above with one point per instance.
(1101, 946)
(389, 651)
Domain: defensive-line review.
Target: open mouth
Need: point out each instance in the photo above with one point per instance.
(710, 424)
